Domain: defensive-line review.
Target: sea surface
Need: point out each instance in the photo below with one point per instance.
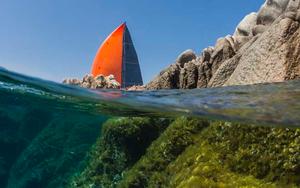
(47, 128)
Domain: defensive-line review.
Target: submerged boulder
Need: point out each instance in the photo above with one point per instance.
(192, 153)
(123, 142)
(57, 152)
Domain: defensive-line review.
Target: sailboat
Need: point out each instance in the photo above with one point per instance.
(117, 56)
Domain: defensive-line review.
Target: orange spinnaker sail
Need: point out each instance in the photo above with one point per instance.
(109, 57)
(117, 56)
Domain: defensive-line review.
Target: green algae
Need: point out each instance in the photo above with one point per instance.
(123, 142)
(200, 166)
(272, 154)
(193, 153)
(177, 137)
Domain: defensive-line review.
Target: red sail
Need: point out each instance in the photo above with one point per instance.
(109, 57)
(117, 56)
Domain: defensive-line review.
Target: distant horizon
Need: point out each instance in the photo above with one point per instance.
(56, 40)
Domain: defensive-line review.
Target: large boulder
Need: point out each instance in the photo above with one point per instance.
(167, 79)
(186, 57)
(271, 10)
(293, 5)
(228, 67)
(189, 75)
(204, 68)
(171, 76)
(224, 49)
(57, 152)
(246, 26)
(273, 57)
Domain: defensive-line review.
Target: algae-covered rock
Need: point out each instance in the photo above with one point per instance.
(148, 171)
(123, 142)
(272, 154)
(192, 153)
(201, 166)
(233, 155)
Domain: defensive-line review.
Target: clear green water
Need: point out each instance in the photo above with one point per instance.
(46, 128)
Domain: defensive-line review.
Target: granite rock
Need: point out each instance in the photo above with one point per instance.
(263, 49)
(98, 82)
(186, 57)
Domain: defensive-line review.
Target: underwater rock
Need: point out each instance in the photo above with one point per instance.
(220, 154)
(123, 142)
(194, 153)
(233, 155)
(175, 139)
(98, 82)
(270, 154)
(56, 153)
(263, 49)
(17, 130)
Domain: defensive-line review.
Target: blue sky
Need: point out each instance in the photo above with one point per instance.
(55, 39)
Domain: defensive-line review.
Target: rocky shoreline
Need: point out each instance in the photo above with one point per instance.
(264, 48)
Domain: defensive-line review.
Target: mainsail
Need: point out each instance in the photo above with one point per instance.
(117, 56)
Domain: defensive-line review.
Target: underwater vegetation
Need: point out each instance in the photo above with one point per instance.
(123, 142)
(55, 153)
(192, 153)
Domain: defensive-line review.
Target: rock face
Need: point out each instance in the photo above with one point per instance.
(98, 82)
(264, 48)
(176, 73)
(273, 57)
